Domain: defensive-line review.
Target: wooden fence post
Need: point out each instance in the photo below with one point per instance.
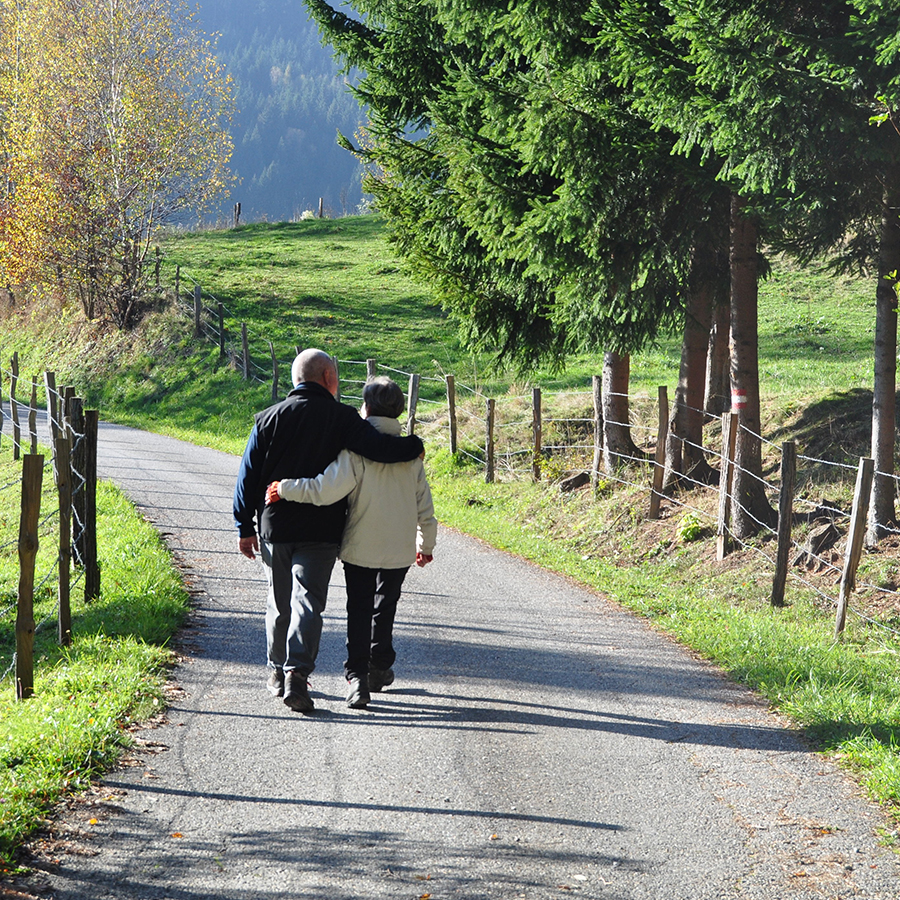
(785, 519)
(853, 553)
(52, 404)
(451, 410)
(659, 465)
(321, 207)
(14, 405)
(412, 404)
(726, 478)
(221, 311)
(91, 563)
(156, 267)
(177, 284)
(274, 373)
(32, 476)
(337, 372)
(245, 345)
(371, 368)
(32, 415)
(537, 432)
(597, 392)
(198, 306)
(63, 469)
(489, 442)
(75, 426)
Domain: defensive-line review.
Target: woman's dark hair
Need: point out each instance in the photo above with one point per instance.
(383, 397)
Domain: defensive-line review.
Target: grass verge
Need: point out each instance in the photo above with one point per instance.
(88, 695)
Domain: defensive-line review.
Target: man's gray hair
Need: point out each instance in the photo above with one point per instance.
(311, 365)
(383, 397)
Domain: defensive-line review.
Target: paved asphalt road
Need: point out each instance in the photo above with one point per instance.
(538, 743)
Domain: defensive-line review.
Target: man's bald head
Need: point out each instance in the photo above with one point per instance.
(315, 366)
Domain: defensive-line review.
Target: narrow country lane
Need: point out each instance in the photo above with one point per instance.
(538, 743)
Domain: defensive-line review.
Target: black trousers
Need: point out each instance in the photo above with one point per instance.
(372, 596)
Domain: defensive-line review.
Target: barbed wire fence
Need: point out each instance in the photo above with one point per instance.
(553, 435)
(537, 435)
(70, 525)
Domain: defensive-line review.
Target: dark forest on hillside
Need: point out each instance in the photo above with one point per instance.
(291, 103)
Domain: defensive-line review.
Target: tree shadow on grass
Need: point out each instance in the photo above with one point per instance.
(837, 429)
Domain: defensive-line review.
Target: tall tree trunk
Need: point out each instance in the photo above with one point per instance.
(717, 397)
(751, 506)
(881, 507)
(618, 446)
(684, 443)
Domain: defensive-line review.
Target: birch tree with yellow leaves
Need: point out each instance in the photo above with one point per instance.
(114, 120)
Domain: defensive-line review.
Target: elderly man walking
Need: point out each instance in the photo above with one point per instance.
(298, 542)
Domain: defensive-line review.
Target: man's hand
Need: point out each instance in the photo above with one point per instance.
(249, 546)
(422, 559)
(272, 495)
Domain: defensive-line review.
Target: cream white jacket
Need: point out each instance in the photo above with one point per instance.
(391, 513)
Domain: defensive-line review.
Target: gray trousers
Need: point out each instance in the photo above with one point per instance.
(298, 576)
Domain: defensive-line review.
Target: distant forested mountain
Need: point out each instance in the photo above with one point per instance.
(291, 104)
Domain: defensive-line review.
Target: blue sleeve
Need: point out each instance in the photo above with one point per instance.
(247, 492)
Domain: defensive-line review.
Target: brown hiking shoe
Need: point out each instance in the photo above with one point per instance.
(275, 684)
(380, 678)
(296, 692)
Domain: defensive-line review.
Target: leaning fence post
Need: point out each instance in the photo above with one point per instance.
(221, 311)
(75, 425)
(659, 465)
(785, 519)
(245, 346)
(198, 305)
(32, 415)
(536, 433)
(14, 405)
(52, 403)
(451, 411)
(853, 553)
(32, 476)
(62, 447)
(177, 284)
(489, 442)
(91, 563)
(726, 478)
(412, 404)
(597, 392)
(52, 413)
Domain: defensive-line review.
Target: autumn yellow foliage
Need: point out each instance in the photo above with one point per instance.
(114, 120)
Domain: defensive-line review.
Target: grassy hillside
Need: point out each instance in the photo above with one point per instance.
(336, 285)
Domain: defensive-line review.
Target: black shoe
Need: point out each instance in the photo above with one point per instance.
(357, 694)
(275, 684)
(296, 692)
(380, 678)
